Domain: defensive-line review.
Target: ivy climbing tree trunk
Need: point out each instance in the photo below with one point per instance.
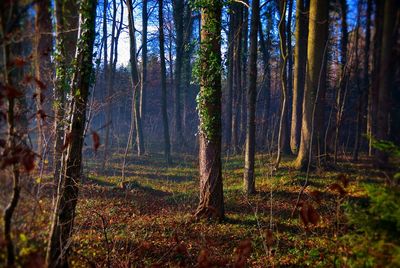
(67, 195)
(248, 177)
(211, 203)
(167, 145)
(66, 37)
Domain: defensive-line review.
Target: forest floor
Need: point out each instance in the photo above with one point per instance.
(147, 220)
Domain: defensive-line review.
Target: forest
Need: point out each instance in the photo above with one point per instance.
(199, 133)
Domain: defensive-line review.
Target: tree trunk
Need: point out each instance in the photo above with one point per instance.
(178, 6)
(211, 204)
(66, 38)
(143, 88)
(300, 57)
(282, 130)
(167, 145)
(340, 97)
(229, 91)
(67, 196)
(43, 68)
(317, 42)
(249, 180)
(386, 76)
(243, 87)
(135, 80)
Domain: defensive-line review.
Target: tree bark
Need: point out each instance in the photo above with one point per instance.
(135, 80)
(143, 87)
(67, 196)
(300, 58)
(211, 203)
(167, 145)
(66, 37)
(43, 68)
(317, 41)
(248, 178)
(386, 76)
(178, 9)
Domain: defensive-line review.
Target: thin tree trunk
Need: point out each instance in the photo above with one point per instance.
(67, 197)
(106, 77)
(135, 80)
(167, 145)
(229, 98)
(284, 55)
(143, 88)
(178, 6)
(300, 57)
(343, 78)
(211, 203)
(243, 87)
(43, 68)
(248, 178)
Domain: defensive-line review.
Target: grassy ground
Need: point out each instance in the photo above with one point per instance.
(147, 220)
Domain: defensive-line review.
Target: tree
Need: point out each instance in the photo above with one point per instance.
(386, 75)
(66, 38)
(178, 9)
(143, 84)
(167, 145)
(248, 178)
(317, 42)
(282, 130)
(135, 80)
(43, 67)
(67, 194)
(211, 203)
(340, 95)
(300, 57)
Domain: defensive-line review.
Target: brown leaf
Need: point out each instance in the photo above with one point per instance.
(19, 62)
(344, 180)
(269, 238)
(68, 139)
(337, 188)
(316, 195)
(40, 84)
(309, 214)
(203, 260)
(242, 253)
(41, 114)
(11, 92)
(182, 249)
(28, 160)
(96, 140)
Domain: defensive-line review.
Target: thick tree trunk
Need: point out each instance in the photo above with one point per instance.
(300, 58)
(317, 42)
(386, 75)
(67, 196)
(209, 106)
(248, 178)
(167, 145)
(66, 38)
